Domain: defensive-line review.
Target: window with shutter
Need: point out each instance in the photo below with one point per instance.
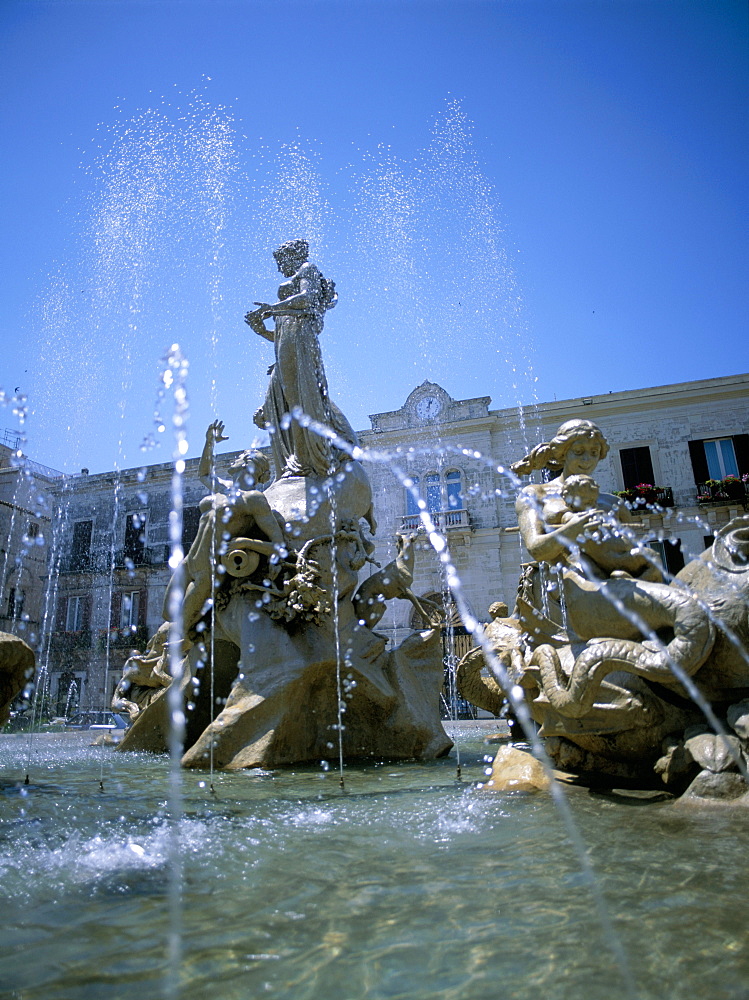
(81, 551)
(637, 466)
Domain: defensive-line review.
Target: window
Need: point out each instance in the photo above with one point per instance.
(452, 484)
(716, 458)
(670, 552)
(130, 610)
(190, 522)
(81, 551)
(135, 537)
(637, 466)
(33, 530)
(443, 493)
(74, 616)
(412, 508)
(434, 493)
(15, 603)
(721, 458)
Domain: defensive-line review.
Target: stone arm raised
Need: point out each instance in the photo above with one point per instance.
(214, 434)
(255, 504)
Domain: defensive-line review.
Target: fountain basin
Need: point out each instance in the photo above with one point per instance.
(409, 884)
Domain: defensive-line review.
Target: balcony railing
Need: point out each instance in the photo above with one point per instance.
(102, 562)
(649, 498)
(444, 520)
(64, 642)
(723, 491)
(154, 556)
(124, 638)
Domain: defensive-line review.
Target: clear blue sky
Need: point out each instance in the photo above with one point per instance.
(543, 197)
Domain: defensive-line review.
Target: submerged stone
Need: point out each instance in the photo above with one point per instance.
(726, 786)
(515, 770)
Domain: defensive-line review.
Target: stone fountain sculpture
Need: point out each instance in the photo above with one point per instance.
(606, 651)
(17, 669)
(275, 625)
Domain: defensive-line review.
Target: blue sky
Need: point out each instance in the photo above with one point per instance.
(533, 199)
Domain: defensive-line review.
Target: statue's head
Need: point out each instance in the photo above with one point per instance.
(577, 447)
(290, 256)
(573, 436)
(580, 492)
(498, 610)
(249, 468)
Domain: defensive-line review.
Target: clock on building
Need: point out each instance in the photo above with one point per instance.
(428, 408)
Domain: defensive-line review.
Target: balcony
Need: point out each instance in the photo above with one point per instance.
(156, 555)
(444, 520)
(66, 642)
(123, 638)
(721, 492)
(79, 562)
(647, 498)
(102, 562)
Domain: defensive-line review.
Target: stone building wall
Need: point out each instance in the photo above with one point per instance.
(109, 579)
(25, 529)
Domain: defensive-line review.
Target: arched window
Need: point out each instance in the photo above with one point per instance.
(443, 492)
(412, 509)
(453, 488)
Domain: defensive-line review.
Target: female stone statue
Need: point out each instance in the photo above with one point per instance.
(298, 388)
(557, 535)
(575, 605)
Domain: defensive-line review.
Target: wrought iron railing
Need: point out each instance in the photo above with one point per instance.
(65, 642)
(650, 499)
(124, 638)
(723, 491)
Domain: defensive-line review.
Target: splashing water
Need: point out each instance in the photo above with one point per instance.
(168, 222)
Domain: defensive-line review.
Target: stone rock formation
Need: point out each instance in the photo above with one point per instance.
(515, 770)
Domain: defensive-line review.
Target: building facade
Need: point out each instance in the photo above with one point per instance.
(109, 570)
(689, 440)
(25, 529)
(108, 557)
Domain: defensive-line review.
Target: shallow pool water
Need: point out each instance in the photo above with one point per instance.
(408, 884)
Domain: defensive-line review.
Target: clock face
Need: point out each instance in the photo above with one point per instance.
(428, 408)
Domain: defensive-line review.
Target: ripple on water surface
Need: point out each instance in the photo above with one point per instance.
(407, 885)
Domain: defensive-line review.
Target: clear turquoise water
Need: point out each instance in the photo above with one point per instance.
(407, 885)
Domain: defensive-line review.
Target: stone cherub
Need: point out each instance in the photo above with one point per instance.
(619, 556)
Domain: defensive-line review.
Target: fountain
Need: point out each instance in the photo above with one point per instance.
(271, 598)
(407, 882)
